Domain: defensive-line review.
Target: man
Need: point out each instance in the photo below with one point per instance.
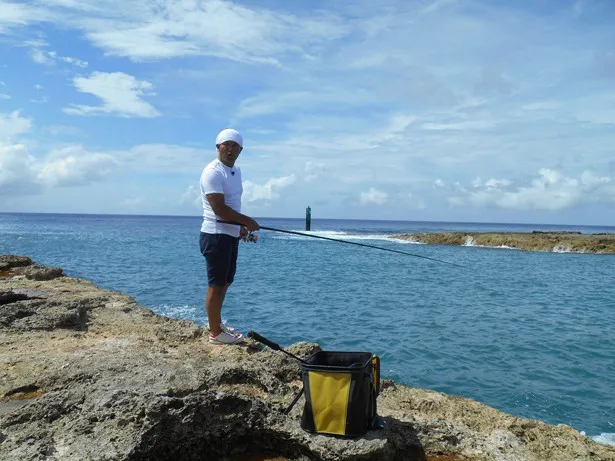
(221, 190)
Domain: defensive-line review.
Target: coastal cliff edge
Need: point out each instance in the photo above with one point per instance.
(87, 373)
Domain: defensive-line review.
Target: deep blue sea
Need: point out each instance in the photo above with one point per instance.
(529, 333)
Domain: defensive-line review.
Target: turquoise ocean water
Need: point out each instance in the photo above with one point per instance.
(528, 333)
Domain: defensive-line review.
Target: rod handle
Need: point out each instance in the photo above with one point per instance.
(254, 335)
(222, 221)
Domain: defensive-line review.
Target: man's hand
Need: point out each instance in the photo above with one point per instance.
(252, 225)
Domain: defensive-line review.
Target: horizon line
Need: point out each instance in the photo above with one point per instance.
(303, 219)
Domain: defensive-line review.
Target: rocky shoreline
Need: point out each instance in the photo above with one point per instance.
(87, 373)
(558, 242)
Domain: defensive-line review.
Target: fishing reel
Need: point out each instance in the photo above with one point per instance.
(250, 237)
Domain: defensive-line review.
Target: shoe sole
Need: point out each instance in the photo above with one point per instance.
(219, 343)
(230, 330)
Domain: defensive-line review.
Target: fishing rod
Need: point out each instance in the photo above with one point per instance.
(346, 241)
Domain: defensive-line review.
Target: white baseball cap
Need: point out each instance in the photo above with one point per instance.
(229, 134)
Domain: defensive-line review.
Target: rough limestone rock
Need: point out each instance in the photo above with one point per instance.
(37, 272)
(9, 261)
(86, 373)
(559, 242)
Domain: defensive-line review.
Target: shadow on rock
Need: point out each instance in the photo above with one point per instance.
(227, 428)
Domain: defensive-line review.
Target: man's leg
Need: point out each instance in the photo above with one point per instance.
(224, 292)
(218, 252)
(213, 306)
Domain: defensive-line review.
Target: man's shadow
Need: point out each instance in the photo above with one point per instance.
(402, 440)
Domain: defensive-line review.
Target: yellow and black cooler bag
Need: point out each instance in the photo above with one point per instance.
(340, 393)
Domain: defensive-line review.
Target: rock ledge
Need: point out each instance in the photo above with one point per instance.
(558, 242)
(87, 373)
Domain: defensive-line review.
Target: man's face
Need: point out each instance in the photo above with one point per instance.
(228, 152)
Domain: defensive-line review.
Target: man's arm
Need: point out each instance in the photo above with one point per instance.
(226, 213)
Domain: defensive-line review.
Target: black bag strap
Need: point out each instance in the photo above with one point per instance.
(376, 374)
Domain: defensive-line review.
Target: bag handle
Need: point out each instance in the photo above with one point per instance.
(275, 346)
(295, 400)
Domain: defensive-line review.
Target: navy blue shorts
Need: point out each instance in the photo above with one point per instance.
(220, 251)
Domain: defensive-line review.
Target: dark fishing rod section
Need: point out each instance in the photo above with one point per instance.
(348, 242)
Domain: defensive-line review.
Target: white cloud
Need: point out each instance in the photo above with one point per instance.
(4, 96)
(133, 202)
(438, 183)
(41, 100)
(74, 166)
(22, 173)
(50, 58)
(14, 15)
(493, 82)
(17, 175)
(456, 201)
(387, 131)
(72, 161)
(461, 125)
(273, 102)
(57, 130)
(541, 106)
(17, 171)
(313, 171)
(373, 196)
(435, 5)
(551, 190)
(268, 191)
(13, 125)
(142, 30)
(589, 179)
(191, 196)
(38, 87)
(74, 61)
(42, 57)
(415, 202)
(120, 94)
(276, 101)
(165, 158)
(38, 42)
(496, 183)
(458, 187)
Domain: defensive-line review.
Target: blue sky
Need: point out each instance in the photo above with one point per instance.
(448, 110)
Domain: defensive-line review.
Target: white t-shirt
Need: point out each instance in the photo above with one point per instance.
(219, 178)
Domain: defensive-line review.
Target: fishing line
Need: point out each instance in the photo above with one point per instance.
(348, 242)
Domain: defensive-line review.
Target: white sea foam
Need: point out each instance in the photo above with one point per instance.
(409, 241)
(608, 438)
(470, 242)
(503, 247)
(561, 249)
(337, 235)
(185, 312)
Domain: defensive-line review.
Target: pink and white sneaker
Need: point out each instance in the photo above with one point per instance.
(225, 327)
(225, 338)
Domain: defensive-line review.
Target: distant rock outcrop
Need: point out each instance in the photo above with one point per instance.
(87, 373)
(560, 242)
